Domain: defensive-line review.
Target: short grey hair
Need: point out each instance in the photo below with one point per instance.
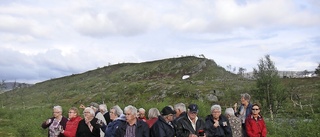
(90, 110)
(216, 107)
(132, 109)
(229, 111)
(180, 106)
(142, 110)
(59, 108)
(117, 110)
(153, 113)
(246, 96)
(103, 107)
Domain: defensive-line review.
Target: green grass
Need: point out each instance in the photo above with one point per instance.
(150, 84)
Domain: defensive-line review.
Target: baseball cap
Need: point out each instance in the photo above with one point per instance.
(193, 108)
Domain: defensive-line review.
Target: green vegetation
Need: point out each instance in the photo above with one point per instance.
(157, 84)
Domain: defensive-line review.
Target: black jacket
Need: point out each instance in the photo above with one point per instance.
(84, 131)
(142, 129)
(223, 130)
(184, 127)
(107, 117)
(162, 129)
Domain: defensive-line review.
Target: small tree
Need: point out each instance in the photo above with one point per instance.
(317, 71)
(241, 71)
(269, 91)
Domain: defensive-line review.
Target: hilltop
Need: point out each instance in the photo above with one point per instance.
(127, 83)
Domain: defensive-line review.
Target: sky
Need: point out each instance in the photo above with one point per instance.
(45, 39)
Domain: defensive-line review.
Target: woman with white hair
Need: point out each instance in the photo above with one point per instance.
(153, 116)
(56, 124)
(217, 125)
(117, 117)
(235, 123)
(89, 126)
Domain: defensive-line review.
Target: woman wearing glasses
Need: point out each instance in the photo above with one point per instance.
(72, 124)
(255, 124)
(55, 123)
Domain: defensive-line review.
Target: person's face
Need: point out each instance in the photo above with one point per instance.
(216, 113)
(72, 114)
(192, 115)
(178, 112)
(243, 101)
(86, 114)
(141, 114)
(112, 114)
(129, 116)
(255, 110)
(56, 113)
(170, 117)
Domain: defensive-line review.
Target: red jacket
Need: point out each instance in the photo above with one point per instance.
(71, 127)
(256, 128)
(150, 122)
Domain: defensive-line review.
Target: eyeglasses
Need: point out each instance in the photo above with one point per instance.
(255, 109)
(85, 112)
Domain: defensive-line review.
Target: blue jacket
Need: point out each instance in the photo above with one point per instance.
(248, 110)
(110, 131)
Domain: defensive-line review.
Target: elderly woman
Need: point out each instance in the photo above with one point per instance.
(141, 114)
(72, 124)
(89, 126)
(255, 124)
(235, 123)
(153, 116)
(117, 117)
(217, 125)
(104, 111)
(55, 123)
(244, 110)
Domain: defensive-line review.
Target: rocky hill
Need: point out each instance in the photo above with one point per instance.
(129, 83)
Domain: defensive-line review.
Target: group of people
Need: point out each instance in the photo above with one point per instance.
(171, 121)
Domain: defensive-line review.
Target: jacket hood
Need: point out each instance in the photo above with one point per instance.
(122, 117)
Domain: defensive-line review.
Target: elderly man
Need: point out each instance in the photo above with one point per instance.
(217, 125)
(244, 110)
(132, 127)
(180, 110)
(163, 127)
(190, 125)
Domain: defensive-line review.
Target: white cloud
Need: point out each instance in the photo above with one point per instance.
(48, 39)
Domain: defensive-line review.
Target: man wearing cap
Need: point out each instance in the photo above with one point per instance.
(163, 127)
(190, 125)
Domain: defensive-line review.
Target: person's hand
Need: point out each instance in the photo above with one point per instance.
(60, 128)
(48, 121)
(216, 123)
(192, 135)
(235, 105)
(82, 106)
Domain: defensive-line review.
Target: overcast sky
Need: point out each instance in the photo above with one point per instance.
(45, 39)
